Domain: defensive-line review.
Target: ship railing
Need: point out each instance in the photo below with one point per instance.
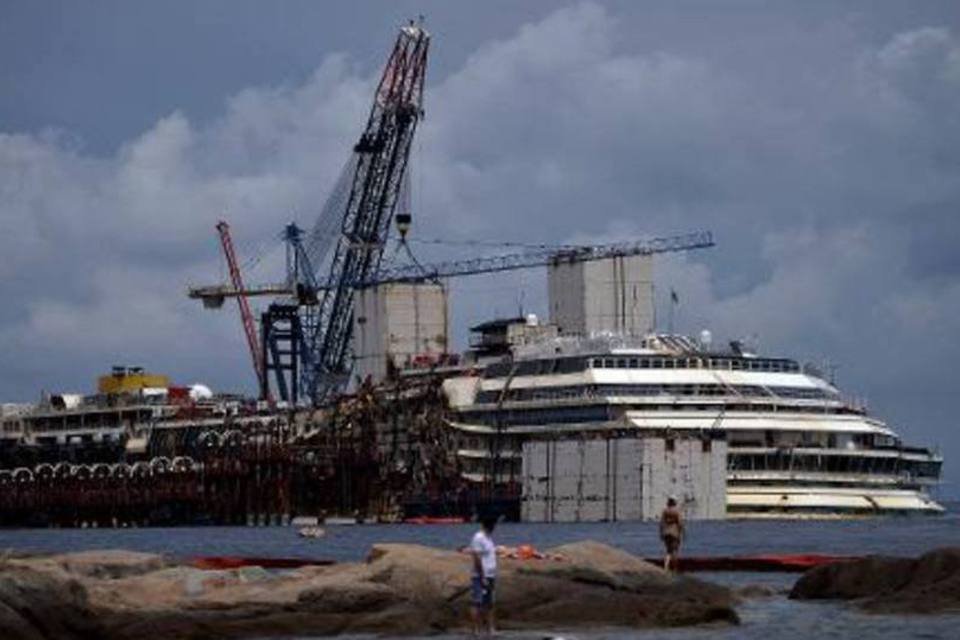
(579, 345)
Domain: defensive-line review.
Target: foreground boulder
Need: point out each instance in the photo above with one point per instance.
(109, 563)
(38, 605)
(928, 584)
(400, 589)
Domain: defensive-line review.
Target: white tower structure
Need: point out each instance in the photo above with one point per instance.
(397, 324)
(612, 295)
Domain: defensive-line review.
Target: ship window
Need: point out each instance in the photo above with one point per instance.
(570, 365)
(707, 445)
(736, 364)
(644, 363)
(527, 368)
(596, 363)
(657, 363)
(621, 363)
(633, 363)
(668, 363)
(668, 444)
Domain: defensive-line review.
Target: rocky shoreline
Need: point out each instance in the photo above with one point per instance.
(414, 590)
(929, 584)
(398, 590)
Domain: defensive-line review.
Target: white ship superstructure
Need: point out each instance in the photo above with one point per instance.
(795, 446)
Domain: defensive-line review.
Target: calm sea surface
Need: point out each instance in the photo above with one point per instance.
(761, 617)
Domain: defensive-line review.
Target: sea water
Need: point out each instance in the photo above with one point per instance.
(762, 618)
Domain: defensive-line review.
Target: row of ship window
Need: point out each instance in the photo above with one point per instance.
(45, 426)
(733, 364)
(603, 413)
(832, 464)
(600, 390)
(577, 364)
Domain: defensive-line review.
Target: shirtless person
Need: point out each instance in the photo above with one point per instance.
(484, 574)
(671, 532)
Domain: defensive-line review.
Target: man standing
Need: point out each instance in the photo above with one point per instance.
(671, 532)
(484, 553)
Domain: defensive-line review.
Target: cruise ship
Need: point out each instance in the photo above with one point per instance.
(795, 445)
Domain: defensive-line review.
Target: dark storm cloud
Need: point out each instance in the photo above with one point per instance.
(820, 143)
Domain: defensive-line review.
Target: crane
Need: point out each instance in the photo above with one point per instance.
(245, 315)
(306, 334)
(214, 295)
(379, 164)
(355, 222)
(283, 341)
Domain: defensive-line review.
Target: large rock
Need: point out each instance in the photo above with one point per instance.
(596, 585)
(400, 589)
(928, 584)
(109, 563)
(39, 605)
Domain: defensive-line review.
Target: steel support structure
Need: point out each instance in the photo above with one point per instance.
(282, 342)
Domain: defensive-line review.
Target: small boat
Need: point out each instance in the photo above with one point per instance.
(311, 532)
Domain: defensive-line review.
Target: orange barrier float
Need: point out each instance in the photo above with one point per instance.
(435, 520)
(782, 563)
(236, 562)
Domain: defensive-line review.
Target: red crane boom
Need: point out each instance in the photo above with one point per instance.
(248, 326)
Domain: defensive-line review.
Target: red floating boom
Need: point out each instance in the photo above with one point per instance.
(782, 563)
(236, 562)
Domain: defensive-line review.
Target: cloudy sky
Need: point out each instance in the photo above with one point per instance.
(819, 141)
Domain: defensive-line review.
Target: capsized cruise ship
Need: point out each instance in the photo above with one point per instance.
(795, 445)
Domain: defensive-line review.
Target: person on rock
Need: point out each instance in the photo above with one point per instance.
(484, 553)
(671, 532)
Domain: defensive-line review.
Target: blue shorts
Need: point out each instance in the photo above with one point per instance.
(481, 592)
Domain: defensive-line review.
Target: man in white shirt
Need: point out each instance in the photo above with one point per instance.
(484, 575)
